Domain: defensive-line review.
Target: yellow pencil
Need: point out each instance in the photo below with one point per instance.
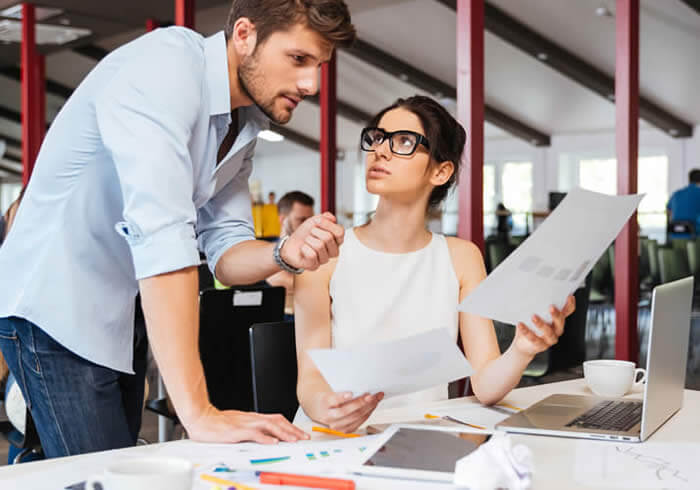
(508, 405)
(226, 483)
(333, 432)
(452, 419)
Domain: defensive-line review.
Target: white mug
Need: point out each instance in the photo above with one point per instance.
(611, 378)
(144, 474)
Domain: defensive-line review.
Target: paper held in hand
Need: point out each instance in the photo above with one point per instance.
(554, 261)
(401, 366)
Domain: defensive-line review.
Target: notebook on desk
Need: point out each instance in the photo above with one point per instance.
(592, 417)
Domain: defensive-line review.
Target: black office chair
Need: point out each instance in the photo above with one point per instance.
(224, 346)
(206, 278)
(274, 368)
(496, 252)
(570, 350)
(673, 264)
(224, 319)
(680, 227)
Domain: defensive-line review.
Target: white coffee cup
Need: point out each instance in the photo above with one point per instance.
(144, 474)
(611, 378)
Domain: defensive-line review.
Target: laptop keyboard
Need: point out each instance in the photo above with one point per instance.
(610, 415)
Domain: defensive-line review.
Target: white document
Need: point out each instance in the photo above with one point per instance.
(240, 462)
(646, 465)
(554, 261)
(477, 414)
(402, 366)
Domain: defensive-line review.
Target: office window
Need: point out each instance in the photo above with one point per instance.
(600, 175)
(507, 182)
(652, 180)
(8, 193)
(489, 198)
(516, 185)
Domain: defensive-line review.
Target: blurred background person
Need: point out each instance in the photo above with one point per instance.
(292, 210)
(683, 209)
(504, 222)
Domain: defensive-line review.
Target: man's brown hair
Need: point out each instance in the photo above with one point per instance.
(330, 18)
(286, 202)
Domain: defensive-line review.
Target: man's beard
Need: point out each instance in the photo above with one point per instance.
(249, 80)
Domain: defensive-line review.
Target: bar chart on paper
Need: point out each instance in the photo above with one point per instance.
(330, 453)
(308, 454)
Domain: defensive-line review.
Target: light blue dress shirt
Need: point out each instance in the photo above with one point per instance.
(126, 186)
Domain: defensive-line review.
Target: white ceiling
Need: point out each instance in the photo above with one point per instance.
(422, 33)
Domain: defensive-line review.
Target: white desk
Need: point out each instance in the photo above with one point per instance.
(554, 457)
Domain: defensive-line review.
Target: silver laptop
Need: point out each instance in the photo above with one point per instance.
(593, 417)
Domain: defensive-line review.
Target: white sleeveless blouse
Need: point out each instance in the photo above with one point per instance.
(378, 297)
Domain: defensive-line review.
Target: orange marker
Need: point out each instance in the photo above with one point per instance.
(306, 481)
(334, 432)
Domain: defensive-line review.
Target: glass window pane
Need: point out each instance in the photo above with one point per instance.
(652, 180)
(516, 184)
(599, 175)
(489, 198)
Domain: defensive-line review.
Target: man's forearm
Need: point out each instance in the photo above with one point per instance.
(247, 262)
(170, 306)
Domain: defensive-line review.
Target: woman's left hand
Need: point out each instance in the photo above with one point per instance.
(528, 343)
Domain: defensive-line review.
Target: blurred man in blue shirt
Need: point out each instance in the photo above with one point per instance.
(146, 164)
(684, 205)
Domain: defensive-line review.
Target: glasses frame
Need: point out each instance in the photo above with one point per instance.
(420, 139)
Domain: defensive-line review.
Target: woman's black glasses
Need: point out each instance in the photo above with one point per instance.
(402, 142)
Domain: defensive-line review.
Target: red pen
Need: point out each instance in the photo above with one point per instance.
(306, 481)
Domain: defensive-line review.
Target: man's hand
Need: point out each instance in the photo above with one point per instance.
(313, 243)
(233, 426)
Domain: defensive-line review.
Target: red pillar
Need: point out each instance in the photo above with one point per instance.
(329, 103)
(184, 13)
(151, 25)
(626, 129)
(470, 111)
(32, 93)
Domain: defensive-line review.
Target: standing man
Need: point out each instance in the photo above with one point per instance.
(294, 208)
(147, 162)
(684, 205)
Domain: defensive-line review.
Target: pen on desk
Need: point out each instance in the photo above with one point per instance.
(508, 405)
(452, 419)
(226, 483)
(333, 432)
(306, 481)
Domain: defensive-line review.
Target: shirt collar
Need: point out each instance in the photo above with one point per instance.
(217, 74)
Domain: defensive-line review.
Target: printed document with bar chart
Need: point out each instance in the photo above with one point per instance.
(554, 261)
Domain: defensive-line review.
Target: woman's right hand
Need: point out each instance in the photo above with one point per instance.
(342, 412)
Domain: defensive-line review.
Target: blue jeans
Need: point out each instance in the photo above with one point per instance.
(77, 406)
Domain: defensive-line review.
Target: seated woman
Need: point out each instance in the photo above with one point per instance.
(394, 279)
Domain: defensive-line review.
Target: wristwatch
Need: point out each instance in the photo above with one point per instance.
(278, 257)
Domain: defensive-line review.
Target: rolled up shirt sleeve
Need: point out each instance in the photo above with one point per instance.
(227, 219)
(146, 116)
